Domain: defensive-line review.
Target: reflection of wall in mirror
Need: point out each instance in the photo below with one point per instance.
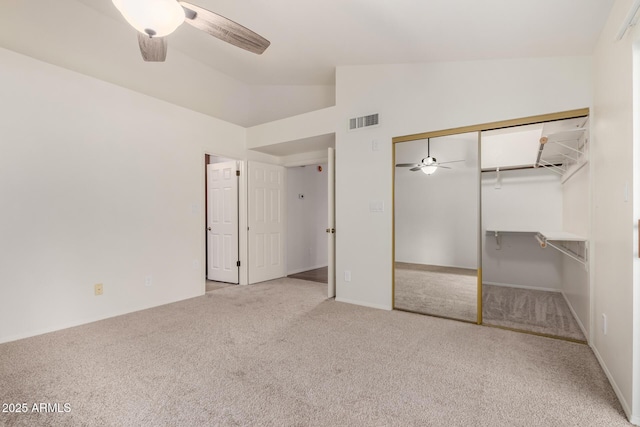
(436, 216)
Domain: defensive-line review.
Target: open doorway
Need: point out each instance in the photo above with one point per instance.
(307, 204)
(222, 216)
(535, 207)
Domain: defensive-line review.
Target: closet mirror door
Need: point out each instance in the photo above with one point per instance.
(436, 202)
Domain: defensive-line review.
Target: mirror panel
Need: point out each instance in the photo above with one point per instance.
(436, 226)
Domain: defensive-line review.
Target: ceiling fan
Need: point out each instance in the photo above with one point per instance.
(155, 19)
(429, 165)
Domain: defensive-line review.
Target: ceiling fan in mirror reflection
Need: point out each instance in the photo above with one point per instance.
(429, 165)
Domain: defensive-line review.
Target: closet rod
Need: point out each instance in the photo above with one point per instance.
(552, 167)
(514, 168)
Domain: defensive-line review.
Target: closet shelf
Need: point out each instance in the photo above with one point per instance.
(559, 240)
(511, 230)
(562, 236)
(566, 149)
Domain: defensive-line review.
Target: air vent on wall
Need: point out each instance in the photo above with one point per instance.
(364, 121)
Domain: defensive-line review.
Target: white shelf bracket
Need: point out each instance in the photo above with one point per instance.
(581, 258)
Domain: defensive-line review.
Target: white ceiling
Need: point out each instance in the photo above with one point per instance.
(309, 39)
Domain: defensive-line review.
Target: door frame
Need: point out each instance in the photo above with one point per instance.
(323, 158)
(331, 222)
(243, 249)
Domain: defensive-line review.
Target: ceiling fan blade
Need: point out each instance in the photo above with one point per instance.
(453, 161)
(443, 167)
(408, 165)
(153, 49)
(224, 29)
(417, 168)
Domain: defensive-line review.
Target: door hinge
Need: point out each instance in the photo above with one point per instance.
(237, 263)
(237, 173)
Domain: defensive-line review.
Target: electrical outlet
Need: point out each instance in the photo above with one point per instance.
(195, 264)
(347, 275)
(604, 324)
(148, 281)
(97, 289)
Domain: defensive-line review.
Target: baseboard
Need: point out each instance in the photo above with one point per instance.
(576, 317)
(86, 321)
(364, 304)
(300, 270)
(532, 288)
(635, 420)
(625, 406)
(58, 327)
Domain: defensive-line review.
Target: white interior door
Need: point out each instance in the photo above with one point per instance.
(331, 224)
(266, 222)
(222, 222)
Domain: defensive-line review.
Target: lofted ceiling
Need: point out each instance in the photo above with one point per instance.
(309, 39)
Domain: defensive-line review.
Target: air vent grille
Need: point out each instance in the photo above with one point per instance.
(364, 121)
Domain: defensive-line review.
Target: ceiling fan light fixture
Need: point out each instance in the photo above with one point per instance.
(156, 18)
(429, 170)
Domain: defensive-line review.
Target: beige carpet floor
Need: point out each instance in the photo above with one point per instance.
(439, 291)
(452, 292)
(280, 354)
(529, 310)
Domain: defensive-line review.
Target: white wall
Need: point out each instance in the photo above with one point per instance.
(307, 218)
(529, 199)
(271, 103)
(616, 267)
(436, 216)
(302, 126)
(576, 217)
(517, 147)
(98, 185)
(414, 98)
